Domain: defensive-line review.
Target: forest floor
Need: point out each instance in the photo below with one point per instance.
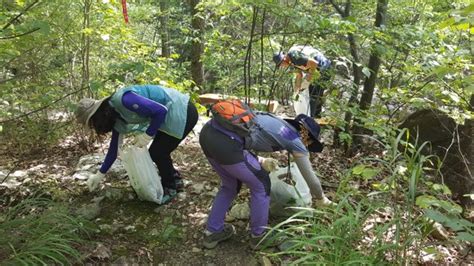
(130, 231)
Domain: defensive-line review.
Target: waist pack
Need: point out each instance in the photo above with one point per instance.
(234, 116)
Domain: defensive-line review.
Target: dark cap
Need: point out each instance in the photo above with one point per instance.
(313, 128)
(278, 58)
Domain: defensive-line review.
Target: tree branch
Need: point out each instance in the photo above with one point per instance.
(45, 106)
(19, 35)
(338, 9)
(19, 15)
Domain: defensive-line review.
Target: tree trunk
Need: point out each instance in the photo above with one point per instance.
(356, 71)
(248, 58)
(165, 39)
(85, 51)
(374, 65)
(262, 62)
(197, 46)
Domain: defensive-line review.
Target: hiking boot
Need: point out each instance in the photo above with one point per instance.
(168, 195)
(178, 181)
(212, 239)
(265, 240)
(179, 185)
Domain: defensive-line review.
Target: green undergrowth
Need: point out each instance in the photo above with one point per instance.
(38, 231)
(387, 207)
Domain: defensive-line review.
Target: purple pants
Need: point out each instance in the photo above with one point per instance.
(235, 166)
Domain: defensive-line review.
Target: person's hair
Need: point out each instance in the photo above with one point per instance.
(103, 120)
(305, 136)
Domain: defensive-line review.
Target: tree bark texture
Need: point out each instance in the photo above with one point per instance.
(374, 61)
(356, 70)
(197, 46)
(85, 51)
(164, 31)
(248, 58)
(373, 66)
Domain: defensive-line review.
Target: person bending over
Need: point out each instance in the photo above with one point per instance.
(164, 115)
(231, 157)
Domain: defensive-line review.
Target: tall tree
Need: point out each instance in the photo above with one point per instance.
(164, 30)
(248, 57)
(356, 69)
(374, 63)
(197, 47)
(85, 51)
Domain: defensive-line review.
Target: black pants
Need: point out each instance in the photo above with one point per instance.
(316, 91)
(164, 144)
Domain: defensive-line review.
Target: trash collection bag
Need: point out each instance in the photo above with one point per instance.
(143, 174)
(301, 103)
(288, 191)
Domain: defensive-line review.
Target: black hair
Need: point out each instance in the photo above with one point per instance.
(103, 120)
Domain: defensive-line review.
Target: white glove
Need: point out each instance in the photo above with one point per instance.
(142, 140)
(93, 181)
(269, 164)
(324, 202)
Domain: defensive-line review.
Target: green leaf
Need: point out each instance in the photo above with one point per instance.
(465, 236)
(436, 216)
(139, 67)
(454, 223)
(463, 26)
(358, 170)
(366, 71)
(42, 25)
(470, 88)
(441, 71)
(445, 189)
(96, 85)
(447, 23)
(369, 173)
(467, 11)
(427, 201)
(430, 250)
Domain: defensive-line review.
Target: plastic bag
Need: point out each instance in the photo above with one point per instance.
(143, 174)
(285, 195)
(301, 104)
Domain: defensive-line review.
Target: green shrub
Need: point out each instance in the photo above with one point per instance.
(382, 226)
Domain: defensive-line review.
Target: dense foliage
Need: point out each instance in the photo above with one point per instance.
(54, 52)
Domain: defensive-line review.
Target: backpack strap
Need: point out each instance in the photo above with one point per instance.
(226, 132)
(237, 117)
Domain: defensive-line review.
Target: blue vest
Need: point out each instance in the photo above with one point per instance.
(176, 102)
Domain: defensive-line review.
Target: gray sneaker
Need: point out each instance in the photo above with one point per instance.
(212, 239)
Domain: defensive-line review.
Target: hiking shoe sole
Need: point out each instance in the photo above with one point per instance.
(212, 240)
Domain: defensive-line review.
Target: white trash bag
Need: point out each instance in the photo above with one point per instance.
(143, 174)
(301, 104)
(284, 195)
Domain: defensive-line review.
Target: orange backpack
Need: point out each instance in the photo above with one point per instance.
(233, 115)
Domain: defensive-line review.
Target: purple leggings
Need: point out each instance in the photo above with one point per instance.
(235, 166)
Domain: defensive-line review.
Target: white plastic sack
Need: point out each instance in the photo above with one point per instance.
(143, 174)
(301, 104)
(285, 195)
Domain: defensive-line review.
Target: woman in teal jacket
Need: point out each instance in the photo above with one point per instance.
(165, 115)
